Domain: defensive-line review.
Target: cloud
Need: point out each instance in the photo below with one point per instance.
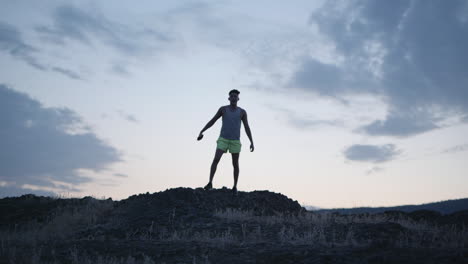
(371, 153)
(128, 117)
(411, 53)
(326, 79)
(329, 80)
(67, 73)
(464, 119)
(43, 148)
(454, 149)
(401, 124)
(120, 69)
(12, 42)
(374, 170)
(123, 115)
(312, 123)
(295, 120)
(72, 23)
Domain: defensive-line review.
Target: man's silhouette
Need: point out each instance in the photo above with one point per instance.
(229, 138)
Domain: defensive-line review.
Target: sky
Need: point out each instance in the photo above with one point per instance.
(350, 103)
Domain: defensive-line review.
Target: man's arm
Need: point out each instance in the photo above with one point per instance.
(213, 120)
(247, 130)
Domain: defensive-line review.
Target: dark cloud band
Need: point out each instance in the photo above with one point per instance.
(36, 148)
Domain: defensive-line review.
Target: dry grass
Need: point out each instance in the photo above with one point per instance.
(237, 227)
(317, 228)
(75, 257)
(63, 222)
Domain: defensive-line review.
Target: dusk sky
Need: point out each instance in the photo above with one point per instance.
(350, 103)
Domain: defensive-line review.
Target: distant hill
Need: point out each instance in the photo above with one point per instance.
(443, 207)
(311, 207)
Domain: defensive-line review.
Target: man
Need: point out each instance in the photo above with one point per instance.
(229, 138)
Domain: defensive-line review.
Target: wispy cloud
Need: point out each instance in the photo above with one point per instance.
(67, 73)
(295, 120)
(126, 116)
(120, 69)
(457, 148)
(12, 42)
(70, 22)
(121, 114)
(374, 170)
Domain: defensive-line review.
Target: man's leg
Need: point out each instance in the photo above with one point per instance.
(235, 164)
(214, 164)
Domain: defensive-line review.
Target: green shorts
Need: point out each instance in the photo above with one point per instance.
(233, 145)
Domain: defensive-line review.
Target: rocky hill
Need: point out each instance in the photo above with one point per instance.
(185, 225)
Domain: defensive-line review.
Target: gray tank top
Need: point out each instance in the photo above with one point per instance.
(231, 123)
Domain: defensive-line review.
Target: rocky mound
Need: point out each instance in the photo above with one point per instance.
(199, 202)
(181, 206)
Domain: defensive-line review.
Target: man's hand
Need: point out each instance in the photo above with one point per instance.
(251, 147)
(200, 136)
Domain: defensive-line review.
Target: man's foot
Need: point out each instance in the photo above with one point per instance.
(208, 186)
(234, 190)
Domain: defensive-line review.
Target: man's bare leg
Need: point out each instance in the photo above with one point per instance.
(235, 164)
(214, 164)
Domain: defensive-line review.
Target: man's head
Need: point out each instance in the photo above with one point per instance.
(234, 96)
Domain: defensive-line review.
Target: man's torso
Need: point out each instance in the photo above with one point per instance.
(231, 122)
